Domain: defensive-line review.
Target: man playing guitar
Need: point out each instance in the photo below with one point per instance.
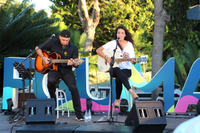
(66, 50)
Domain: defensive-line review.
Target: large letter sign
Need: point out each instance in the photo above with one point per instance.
(12, 82)
(188, 95)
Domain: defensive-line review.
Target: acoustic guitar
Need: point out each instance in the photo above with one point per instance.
(55, 58)
(105, 66)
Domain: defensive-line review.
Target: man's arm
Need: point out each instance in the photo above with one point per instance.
(39, 52)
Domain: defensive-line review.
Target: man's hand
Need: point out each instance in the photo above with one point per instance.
(46, 60)
(70, 62)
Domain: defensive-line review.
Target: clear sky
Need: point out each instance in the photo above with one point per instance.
(41, 4)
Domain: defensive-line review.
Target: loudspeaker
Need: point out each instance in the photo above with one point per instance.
(40, 111)
(147, 116)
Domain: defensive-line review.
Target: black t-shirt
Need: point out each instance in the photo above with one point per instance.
(70, 51)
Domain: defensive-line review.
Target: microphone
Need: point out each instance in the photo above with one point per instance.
(53, 35)
(118, 37)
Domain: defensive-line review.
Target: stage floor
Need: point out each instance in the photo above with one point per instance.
(99, 123)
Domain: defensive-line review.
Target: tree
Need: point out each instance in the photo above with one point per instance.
(136, 15)
(179, 35)
(160, 20)
(21, 29)
(2, 2)
(180, 28)
(181, 41)
(89, 23)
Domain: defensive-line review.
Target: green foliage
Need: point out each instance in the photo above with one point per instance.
(179, 29)
(77, 38)
(21, 29)
(93, 65)
(136, 15)
(181, 41)
(67, 11)
(143, 35)
(184, 60)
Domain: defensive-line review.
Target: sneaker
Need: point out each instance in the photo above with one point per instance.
(79, 116)
(79, 119)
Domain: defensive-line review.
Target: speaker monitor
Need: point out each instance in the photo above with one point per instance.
(147, 116)
(40, 111)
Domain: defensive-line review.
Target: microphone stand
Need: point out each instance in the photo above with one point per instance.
(30, 78)
(110, 120)
(111, 76)
(25, 75)
(30, 60)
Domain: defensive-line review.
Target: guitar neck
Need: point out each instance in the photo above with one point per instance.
(60, 60)
(123, 59)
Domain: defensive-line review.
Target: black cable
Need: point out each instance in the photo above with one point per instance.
(17, 125)
(2, 113)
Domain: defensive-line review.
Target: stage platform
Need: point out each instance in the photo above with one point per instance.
(56, 128)
(99, 124)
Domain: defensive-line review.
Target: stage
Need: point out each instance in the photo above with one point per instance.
(99, 124)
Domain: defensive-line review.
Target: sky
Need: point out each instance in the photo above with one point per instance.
(41, 4)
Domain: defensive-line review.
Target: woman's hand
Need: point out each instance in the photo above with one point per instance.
(133, 60)
(108, 59)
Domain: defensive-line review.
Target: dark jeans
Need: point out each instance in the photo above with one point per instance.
(121, 78)
(68, 77)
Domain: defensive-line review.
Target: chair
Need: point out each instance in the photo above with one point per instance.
(60, 96)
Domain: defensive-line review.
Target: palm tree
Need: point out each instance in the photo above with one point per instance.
(21, 29)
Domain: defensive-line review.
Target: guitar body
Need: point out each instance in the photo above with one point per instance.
(43, 68)
(104, 66)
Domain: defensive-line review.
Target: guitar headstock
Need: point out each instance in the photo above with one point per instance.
(78, 61)
(142, 59)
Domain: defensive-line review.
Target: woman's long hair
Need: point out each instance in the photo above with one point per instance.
(128, 34)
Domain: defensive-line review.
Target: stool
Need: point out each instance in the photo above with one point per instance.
(128, 97)
(60, 96)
